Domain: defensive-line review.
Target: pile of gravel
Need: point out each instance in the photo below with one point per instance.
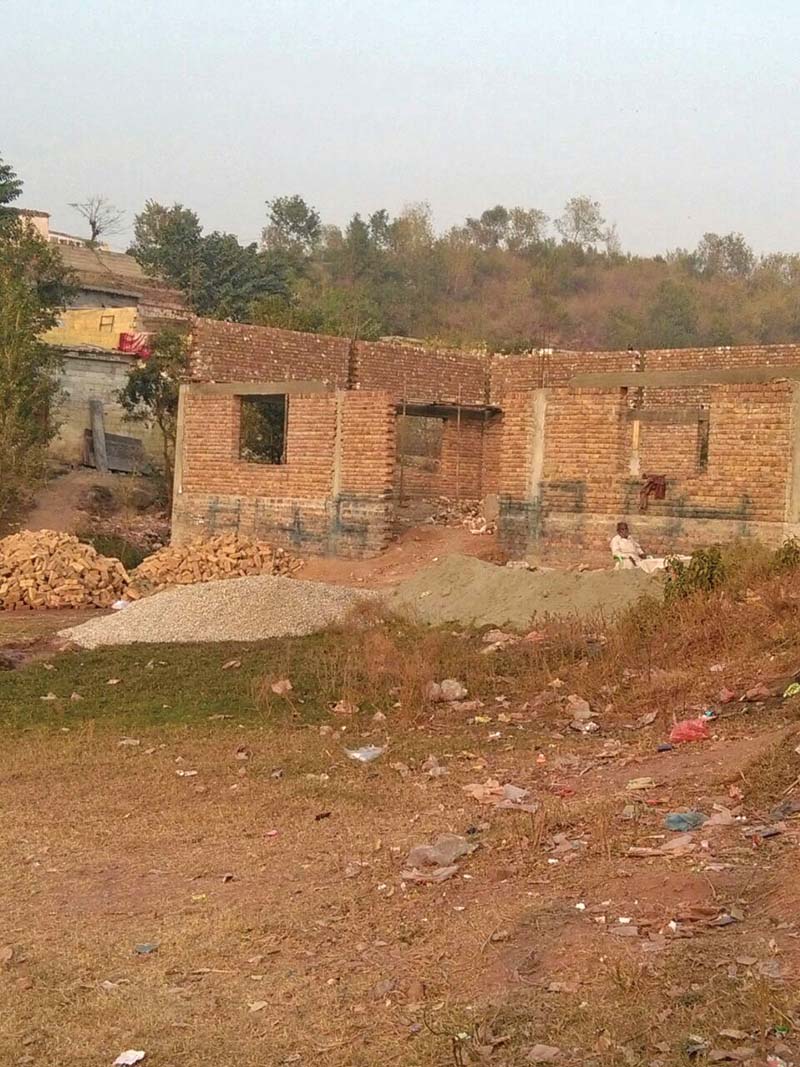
(237, 609)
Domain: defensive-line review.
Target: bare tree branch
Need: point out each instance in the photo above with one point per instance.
(102, 216)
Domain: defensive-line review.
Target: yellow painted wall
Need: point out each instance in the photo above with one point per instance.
(92, 326)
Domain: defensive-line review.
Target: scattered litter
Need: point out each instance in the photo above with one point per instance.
(542, 1053)
(281, 687)
(758, 692)
(636, 784)
(147, 948)
(665, 747)
(129, 742)
(130, 1057)
(257, 1005)
(682, 821)
(437, 862)
(507, 797)
(49, 696)
(583, 726)
(75, 697)
(366, 754)
(689, 730)
(186, 774)
(734, 1035)
(578, 707)
(446, 692)
(433, 768)
(647, 719)
(497, 639)
(345, 708)
(792, 690)
(232, 664)
(113, 681)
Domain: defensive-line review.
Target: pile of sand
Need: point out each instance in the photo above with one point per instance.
(466, 590)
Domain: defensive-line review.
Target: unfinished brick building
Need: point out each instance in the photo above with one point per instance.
(294, 437)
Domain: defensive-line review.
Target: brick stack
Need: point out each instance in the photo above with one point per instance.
(45, 569)
(226, 556)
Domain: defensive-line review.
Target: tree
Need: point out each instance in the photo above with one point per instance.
(151, 392)
(166, 244)
(102, 216)
(527, 227)
(491, 228)
(219, 277)
(293, 226)
(231, 277)
(672, 319)
(34, 286)
(728, 255)
(10, 189)
(582, 222)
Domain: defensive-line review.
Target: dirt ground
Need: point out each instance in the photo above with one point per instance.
(181, 807)
(413, 550)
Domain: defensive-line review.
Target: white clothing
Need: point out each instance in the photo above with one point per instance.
(626, 552)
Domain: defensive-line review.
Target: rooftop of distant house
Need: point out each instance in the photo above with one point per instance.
(100, 269)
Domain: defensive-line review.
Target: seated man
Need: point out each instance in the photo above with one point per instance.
(626, 551)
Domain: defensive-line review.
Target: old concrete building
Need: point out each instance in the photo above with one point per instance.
(294, 437)
(114, 307)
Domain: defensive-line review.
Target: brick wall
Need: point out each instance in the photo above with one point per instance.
(333, 493)
(232, 352)
(421, 374)
(587, 484)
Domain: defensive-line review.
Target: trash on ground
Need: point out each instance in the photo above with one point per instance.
(129, 742)
(366, 754)
(682, 821)
(647, 719)
(433, 768)
(758, 692)
(130, 1057)
(281, 687)
(578, 707)
(446, 692)
(437, 862)
(147, 948)
(119, 605)
(542, 1053)
(689, 730)
(584, 726)
(791, 690)
(494, 640)
(636, 784)
(345, 708)
(445, 850)
(186, 774)
(508, 797)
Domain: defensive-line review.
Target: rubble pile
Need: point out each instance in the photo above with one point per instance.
(466, 513)
(46, 569)
(224, 556)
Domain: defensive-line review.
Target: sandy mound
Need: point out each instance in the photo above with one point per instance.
(467, 590)
(236, 609)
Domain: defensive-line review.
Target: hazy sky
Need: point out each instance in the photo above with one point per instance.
(680, 117)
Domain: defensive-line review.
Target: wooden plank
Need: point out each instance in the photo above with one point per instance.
(125, 454)
(98, 435)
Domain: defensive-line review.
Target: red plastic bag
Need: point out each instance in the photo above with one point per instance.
(689, 730)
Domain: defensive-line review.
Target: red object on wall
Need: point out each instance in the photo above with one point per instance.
(137, 344)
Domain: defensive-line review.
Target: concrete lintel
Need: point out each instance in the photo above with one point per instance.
(668, 416)
(288, 388)
(666, 379)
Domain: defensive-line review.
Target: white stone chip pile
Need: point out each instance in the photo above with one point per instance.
(237, 609)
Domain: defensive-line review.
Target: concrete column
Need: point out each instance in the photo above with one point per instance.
(793, 479)
(536, 455)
